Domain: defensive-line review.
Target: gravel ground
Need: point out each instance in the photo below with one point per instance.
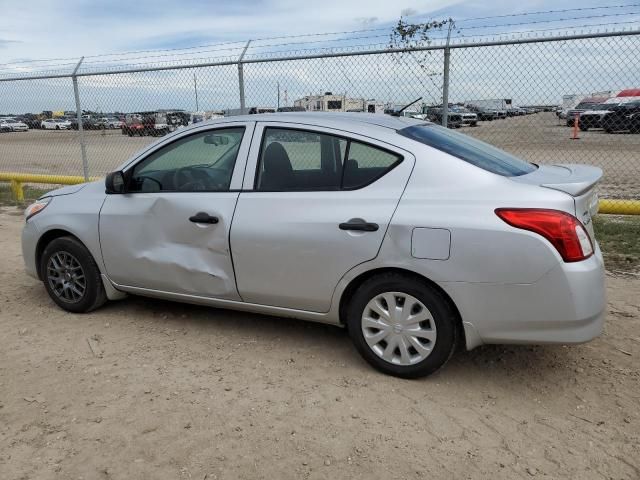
(539, 138)
(145, 389)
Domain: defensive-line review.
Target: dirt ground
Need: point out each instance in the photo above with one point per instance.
(145, 389)
(539, 138)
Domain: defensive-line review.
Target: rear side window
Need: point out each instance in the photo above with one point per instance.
(469, 149)
(297, 160)
(300, 160)
(366, 164)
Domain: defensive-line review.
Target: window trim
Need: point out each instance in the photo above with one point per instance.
(340, 188)
(128, 171)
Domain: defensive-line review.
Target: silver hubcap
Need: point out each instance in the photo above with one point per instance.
(66, 277)
(399, 328)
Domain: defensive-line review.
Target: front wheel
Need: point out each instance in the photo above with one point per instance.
(401, 325)
(71, 276)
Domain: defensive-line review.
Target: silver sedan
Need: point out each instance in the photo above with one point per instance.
(413, 237)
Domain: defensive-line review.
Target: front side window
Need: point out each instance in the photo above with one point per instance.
(300, 160)
(200, 162)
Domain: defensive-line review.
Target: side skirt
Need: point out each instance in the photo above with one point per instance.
(229, 304)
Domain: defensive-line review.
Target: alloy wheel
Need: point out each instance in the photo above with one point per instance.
(66, 277)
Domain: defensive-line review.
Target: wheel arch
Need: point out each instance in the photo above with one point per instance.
(353, 285)
(45, 239)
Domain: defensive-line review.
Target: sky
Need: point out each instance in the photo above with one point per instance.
(63, 31)
(40, 29)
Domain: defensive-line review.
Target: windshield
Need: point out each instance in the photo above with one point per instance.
(604, 106)
(469, 149)
(586, 106)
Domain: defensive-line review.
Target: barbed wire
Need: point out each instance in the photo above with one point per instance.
(240, 43)
(523, 14)
(190, 56)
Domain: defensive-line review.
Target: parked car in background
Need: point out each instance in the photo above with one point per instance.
(501, 114)
(13, 125)
(248, 110)
(32, 121)
(583, 106)
(414, 237)
(88, 123)
(56, 124)
(294, 109)
(468, 117)
(4, 128)
(146, 123)
(110, 123)
(592, 118)
(623, 117)
(483, 113)
(515, 112)
(435, 114)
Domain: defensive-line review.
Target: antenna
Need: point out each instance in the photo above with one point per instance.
(397, 114)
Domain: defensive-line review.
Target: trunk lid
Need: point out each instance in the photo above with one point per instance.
(579, 181)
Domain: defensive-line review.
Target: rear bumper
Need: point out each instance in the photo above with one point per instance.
(567, 305)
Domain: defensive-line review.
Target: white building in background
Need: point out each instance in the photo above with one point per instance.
(493, 103)
(338, 103)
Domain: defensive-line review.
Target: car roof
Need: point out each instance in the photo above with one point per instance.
(338, 120)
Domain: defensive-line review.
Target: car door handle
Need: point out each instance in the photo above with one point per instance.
(359, 225)
(203, 217)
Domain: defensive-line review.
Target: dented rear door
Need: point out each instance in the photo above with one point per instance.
(148, 240)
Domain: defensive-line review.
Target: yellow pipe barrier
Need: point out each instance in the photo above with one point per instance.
(619, 207)
(17, 180)
(608, 205)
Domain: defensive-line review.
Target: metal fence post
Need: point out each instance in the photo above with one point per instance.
(445, 78)
(241, 78)
(83, 148)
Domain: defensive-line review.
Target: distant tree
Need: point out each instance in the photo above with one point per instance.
(411, 35)
(406, 36)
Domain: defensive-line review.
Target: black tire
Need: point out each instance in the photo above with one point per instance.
(444, 316)
(583, 128)
(94, 295)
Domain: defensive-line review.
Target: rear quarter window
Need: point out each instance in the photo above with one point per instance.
(469, 149)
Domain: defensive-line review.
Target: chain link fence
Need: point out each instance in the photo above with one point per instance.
(521, 95)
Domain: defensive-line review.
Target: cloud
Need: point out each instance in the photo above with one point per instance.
(88, 27)
(366, 21)
(7, 43)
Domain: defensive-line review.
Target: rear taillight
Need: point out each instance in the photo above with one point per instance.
(564, 231)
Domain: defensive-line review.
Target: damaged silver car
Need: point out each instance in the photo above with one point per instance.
(414, 237)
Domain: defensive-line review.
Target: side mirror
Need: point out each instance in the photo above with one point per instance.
(114, 183)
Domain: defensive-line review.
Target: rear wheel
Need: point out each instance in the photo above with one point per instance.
(401, 325)
(71, 276)
(584, 128)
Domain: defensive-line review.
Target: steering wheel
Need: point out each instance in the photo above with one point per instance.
(186, 179)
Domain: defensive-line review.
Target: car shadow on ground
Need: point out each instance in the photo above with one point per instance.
(512, 361)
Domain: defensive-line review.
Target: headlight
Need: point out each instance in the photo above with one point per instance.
(36, 207)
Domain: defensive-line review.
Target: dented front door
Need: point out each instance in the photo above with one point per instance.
(149, 242)
(170, 231)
